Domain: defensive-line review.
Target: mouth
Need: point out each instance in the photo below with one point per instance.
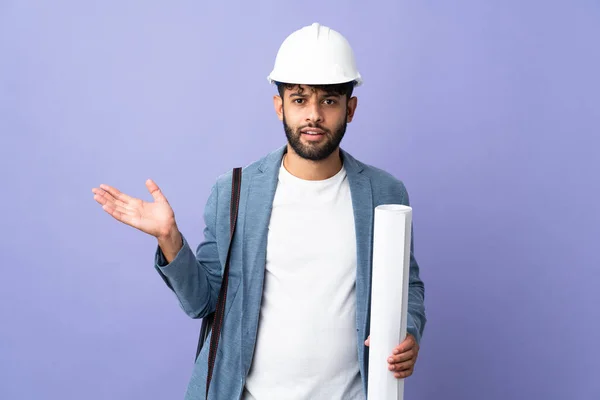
(312, 131)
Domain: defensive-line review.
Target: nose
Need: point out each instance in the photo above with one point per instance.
(315, 114)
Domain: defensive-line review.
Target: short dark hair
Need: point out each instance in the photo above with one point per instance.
(338, 88)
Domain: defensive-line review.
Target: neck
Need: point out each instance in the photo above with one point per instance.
(312, 170)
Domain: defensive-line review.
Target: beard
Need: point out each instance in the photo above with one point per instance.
(312, 150)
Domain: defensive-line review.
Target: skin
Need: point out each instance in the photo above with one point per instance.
(403, 358)
(307, 157)
(303, 107)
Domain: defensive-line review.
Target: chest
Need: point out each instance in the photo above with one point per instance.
(312, 229)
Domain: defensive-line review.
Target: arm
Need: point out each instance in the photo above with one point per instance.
(194, 278)
(416, 318)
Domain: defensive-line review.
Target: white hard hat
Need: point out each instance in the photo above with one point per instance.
(315, 55)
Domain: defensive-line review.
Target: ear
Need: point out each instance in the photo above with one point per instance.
(351, 108)
(278, 105)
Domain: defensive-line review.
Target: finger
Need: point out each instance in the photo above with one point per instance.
(155, 191)
(119, 209)
(403, 366)
(103, 197)
(114, 192)
(406, 345)
(368, 341)
(119, 214)
(407, 355)
(111, 207)
(99, 196)
(403, 374)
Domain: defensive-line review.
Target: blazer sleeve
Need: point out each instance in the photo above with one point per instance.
(416, 318)
(196, 278)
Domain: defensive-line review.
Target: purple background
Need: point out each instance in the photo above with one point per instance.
(489, 111)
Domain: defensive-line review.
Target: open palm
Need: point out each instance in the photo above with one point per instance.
(154, 218)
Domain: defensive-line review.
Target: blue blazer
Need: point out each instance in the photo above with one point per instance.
(195, 278)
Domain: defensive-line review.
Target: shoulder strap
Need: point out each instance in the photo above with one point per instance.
(236, 182)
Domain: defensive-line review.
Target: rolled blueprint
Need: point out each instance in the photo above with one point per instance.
(389, 297)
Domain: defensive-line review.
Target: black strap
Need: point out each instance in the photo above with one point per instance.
(217, 319)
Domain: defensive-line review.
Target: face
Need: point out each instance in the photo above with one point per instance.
(314, 120)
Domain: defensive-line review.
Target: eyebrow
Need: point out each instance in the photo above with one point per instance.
(296, 94)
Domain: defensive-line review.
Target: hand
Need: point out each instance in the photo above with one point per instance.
(403, 358)
(154, 218)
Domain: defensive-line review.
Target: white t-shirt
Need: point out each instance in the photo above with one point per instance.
(306, 345)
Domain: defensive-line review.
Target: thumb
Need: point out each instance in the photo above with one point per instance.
(368, 341)
(155, 191)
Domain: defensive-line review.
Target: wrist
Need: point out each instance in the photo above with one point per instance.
(169, 234)
(170, 243)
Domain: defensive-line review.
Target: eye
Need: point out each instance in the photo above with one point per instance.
(330, 102)
(298, 101)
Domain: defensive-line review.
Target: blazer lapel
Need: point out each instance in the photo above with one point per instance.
(261, 191)
(362, 203)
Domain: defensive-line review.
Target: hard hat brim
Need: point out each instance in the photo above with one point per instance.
(358, 81)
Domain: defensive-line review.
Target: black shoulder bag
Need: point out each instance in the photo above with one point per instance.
(214, 320)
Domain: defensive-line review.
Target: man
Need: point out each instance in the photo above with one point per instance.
(296, 320)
